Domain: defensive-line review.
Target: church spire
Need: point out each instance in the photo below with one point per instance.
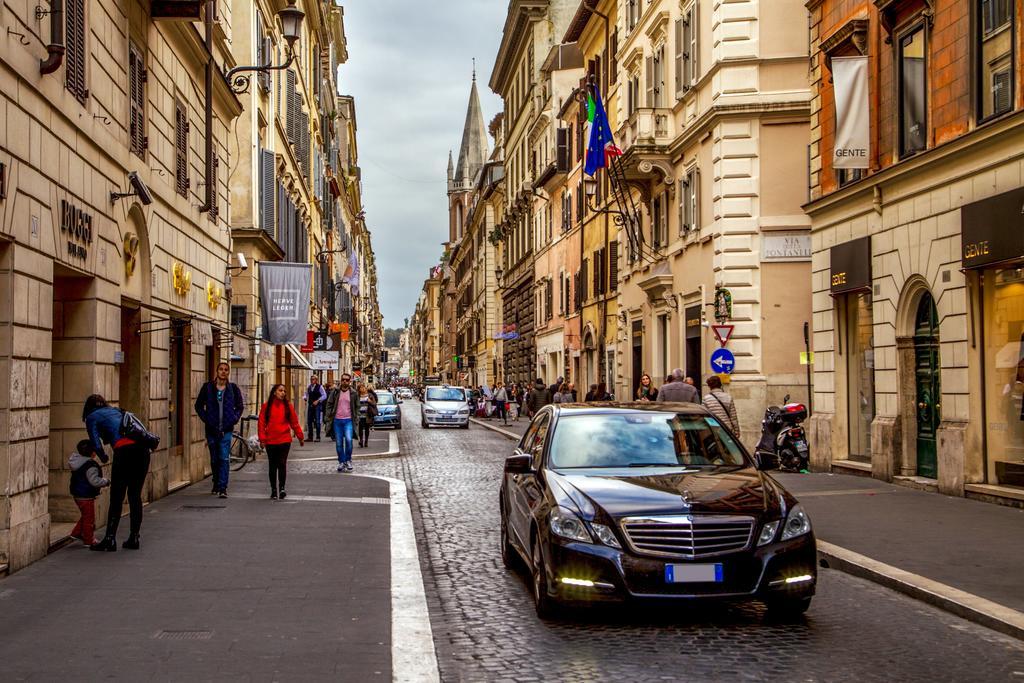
(473, 152)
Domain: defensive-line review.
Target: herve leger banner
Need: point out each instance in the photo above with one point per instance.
(850, 85)
(284, 301)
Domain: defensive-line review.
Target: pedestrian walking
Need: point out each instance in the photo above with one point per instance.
(591, 394)
(646, 392)
(572, 390)
(367, 411)
(315, 397)
(563, 395)
(127, 474)
(501, 402)
(557, 386)
(219, 405)
(341, 406)
(277, 423)
(677, 391)
(86, 481)
(602, 392)
(539, 397)
(720, 404)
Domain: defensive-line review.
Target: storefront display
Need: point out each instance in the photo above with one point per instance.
(1003, 305)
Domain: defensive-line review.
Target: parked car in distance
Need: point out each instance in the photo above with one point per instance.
(650, 502)
(389, 410)
(445, 405)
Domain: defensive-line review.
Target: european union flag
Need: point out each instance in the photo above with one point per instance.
(601, 146)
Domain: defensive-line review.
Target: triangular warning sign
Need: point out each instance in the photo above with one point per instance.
(722, 333)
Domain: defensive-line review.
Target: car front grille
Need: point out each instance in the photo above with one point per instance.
(689, 536)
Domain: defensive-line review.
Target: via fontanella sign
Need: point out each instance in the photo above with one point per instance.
(76, 227)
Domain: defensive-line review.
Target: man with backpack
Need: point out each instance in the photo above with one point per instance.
(219, 405)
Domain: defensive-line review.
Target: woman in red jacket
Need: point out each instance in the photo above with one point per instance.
(276, 424)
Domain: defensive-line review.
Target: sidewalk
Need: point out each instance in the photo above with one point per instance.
(383, 444)
(512, 430)
(238, 589)
(956, 543)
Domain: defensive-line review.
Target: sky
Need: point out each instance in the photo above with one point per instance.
(410, 65)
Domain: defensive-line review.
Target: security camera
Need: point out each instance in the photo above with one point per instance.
(241, 261)
(140, 188)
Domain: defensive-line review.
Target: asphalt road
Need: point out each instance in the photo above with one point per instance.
(485, 628)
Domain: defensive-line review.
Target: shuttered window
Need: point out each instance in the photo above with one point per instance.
(613, 266)
(577, 301)
(267, 182)
(74, 56)
(292, 114)
(137, 141)
(181, 126)
(262, 54)
(649, 82)
(549, 299)
(689, 202)
(583, 284)
(562, 150)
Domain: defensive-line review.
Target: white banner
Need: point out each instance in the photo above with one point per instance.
(850, 85)
(326, 360)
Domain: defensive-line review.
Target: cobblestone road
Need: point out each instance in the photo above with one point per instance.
(485, 628)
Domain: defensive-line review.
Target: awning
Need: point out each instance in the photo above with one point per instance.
(299, 356)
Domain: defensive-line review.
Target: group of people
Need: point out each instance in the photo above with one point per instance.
(219, 404)
(679, 388)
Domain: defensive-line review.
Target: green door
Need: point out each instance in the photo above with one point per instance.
(926, 357)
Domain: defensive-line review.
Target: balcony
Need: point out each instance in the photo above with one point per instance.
(648, 128)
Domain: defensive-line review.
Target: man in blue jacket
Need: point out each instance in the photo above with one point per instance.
(219, 405)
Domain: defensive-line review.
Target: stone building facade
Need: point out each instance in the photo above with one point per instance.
(108, 289)
(918, 323)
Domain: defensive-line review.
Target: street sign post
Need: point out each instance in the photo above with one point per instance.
(722, 362)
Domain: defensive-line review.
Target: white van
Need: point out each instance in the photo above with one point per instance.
(445, 405)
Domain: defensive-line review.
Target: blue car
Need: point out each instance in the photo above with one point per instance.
(389, 411)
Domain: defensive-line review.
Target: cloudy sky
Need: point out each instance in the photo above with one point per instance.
(409, 69)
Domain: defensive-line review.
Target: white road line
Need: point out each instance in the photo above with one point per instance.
(413, 658)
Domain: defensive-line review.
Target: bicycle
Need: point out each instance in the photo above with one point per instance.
(244, 448)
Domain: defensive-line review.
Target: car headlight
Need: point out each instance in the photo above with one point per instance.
(797, 523)
(464, 411)
(768, 532)
(429, 411)
(567, 525)
(605, 535)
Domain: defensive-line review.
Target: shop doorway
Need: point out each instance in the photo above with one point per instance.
(178, 358)
(130, 366)
(926, 369)
(638, 356)
(693, 346)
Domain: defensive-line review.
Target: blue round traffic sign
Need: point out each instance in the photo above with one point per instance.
(723, 362)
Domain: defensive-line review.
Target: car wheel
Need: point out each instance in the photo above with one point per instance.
(786, 608)
(542, 602)
(508, 553)
(423, 423)
(465, 426)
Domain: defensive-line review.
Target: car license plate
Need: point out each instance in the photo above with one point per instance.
(693, 573)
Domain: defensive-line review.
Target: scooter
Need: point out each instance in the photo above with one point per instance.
(783, 437)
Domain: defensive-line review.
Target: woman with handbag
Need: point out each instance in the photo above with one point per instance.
(128, 474)
(367, 412)
(276, 425)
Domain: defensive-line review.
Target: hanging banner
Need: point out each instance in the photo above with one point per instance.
(284, 301)
(850, 85)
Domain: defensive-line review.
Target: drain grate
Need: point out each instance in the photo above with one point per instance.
(183, 635)
(202, 508)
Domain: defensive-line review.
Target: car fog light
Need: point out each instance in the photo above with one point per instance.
(768, 532)
(578, 582)
(797, 523)
(799, 579)
(605, 535)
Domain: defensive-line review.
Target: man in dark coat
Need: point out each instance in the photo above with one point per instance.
(538, 398)
(219, 405)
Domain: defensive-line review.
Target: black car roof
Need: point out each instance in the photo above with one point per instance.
(620, 407)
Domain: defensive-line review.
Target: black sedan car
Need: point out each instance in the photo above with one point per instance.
(615, 502)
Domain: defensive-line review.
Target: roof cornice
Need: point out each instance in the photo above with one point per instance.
(521, 13)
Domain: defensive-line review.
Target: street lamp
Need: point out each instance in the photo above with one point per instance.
(291, 27)
(498, 273)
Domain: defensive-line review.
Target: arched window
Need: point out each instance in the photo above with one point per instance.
(458, 221)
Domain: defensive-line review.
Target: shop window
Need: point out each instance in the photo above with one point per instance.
(1003, 315)
(860, 374)
(845, 176)
(995, 49)
(913, 96)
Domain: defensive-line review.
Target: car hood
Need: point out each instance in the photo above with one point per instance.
(622, 493)
(387, 409)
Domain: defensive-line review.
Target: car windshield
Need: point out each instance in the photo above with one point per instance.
(642, 440)
(445, 394)
(385, 398)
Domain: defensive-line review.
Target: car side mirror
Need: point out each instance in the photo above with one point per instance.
(766, 461)
(519, 464)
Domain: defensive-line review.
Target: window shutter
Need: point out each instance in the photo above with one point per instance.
(679, 38)
(277, 80)
(548, 299)
(613, 266)
(136, 101)
(694, 49)
(267, 192)
(293, 109)
(74, 57)
(1002, 89)
(685, 204)
(577, 301)
(562, 150)
(584, 273)
(181, 181)
(614, 56)
(649, 75)
(263, 40)
(695, 198)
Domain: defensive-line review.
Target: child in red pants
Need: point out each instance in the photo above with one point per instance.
(86, 481)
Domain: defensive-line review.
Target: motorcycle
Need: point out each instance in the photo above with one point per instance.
(783, 437)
